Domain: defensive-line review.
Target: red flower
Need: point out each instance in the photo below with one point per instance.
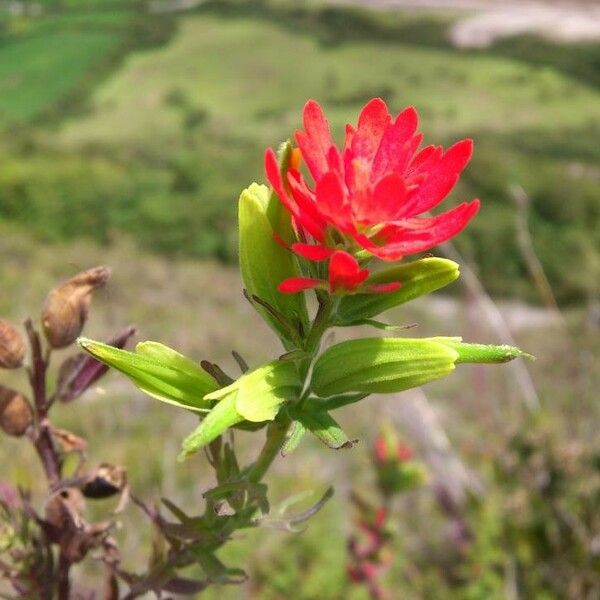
(371, 193)
(345, 274)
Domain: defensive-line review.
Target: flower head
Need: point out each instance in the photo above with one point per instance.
(372, 193)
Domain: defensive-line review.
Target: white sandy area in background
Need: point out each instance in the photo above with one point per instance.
(486, 21)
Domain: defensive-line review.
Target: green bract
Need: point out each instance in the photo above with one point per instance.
(218, 420)
(395, 364)
(381, 365)
(264, 263)
(417, 278)
(256, 396)
(159, 371)
(259, 393)
(481, 353)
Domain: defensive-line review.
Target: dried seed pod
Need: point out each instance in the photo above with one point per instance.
(12, 346)
(64, 508)
(15, 412)
(105, 481)
(66, 307)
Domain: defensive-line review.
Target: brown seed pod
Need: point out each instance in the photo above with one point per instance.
(12, 346)
(15, 412)
(65, 508)
(66, 307)
(104, 481)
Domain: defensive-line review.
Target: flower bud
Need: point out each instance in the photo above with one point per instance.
(66, 307)
(12, 347)
(15, 412)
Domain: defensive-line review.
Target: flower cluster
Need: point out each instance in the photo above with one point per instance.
(369, 198)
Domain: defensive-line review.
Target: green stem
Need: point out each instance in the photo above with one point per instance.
(275, 438)
(320, 325)
(278, 429)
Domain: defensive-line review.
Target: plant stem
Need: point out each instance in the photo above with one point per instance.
(319, 326)
(275, 437)
(42, 440)
(278, 429)
(63, 580)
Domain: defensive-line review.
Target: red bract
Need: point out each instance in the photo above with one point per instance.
(372, 193)
(345, 274)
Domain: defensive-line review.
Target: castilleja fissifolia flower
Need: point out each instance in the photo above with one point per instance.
(369, 198)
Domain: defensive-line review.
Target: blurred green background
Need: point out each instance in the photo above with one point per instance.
(128, 129)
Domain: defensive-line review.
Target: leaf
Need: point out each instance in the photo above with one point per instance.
(265, 264)
(219, 419)
(294, 438)
(417, 278)
(383, 326)
(322, 425)
(292, 522)
(260, 393)
(482, 353)
(159, 371)
(336, 401)
(380, 365)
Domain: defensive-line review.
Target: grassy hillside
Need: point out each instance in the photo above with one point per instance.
(160, 149)
(198, 309)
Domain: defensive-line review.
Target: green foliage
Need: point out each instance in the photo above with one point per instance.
(380, 365)
(417, 278)
(256, 397)
(264, 264)
(162, 158)
(159, 371)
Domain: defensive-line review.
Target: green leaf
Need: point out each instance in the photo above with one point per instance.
(294, 438)
(322, 425)
(381, 365)
(260, 393)
(265, 264)
(218, 420)
(417, 278)
(482, 353)
(159, 371)
(335, 402)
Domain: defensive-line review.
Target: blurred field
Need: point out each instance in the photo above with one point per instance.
(125, 138)
(198, 309)
(156, 143)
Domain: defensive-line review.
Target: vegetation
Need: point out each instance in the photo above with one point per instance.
(134, 157)
(159, 149)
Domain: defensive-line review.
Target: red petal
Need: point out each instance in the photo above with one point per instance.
(307, 210)
(441, 178)
(418, 235)
(293, 285)
(385, 202)
(345, 272)
(389, 155)
(373, 121)
(311, 252)
(316, 140)
(332, 201)
(280, 241)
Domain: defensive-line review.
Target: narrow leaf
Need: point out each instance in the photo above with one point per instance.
(294, 438)
(220, 418)
(417, 278)
(322, 425)
(158, 371)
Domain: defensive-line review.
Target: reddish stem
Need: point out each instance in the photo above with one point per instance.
(43, 442)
